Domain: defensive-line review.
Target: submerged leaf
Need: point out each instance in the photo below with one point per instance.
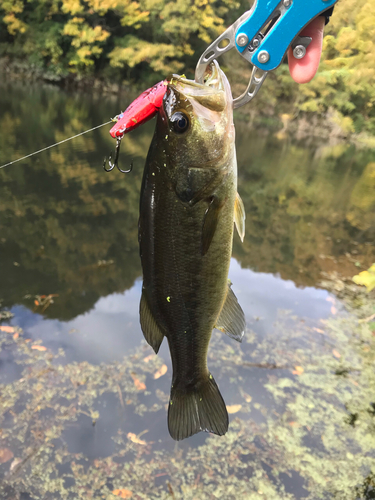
(39, 347)
(135, 439)
(5, 455)
(8, 329)
(162, 371)
(298, 370)
(234, 408)
(122, 493)
(140, 386)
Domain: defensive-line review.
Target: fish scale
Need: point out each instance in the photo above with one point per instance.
(187, 209)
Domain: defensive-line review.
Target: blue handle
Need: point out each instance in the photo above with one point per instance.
(291, 22)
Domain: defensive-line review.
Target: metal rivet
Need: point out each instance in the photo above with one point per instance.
(263, 56)
(242, 40)
(256, 42)
(287, 3)
(299, 52)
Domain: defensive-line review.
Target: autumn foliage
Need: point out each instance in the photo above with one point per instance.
(142, 41)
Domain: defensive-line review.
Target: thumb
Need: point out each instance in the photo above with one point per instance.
(304, 70)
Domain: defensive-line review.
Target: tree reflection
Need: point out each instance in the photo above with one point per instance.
(67, 227)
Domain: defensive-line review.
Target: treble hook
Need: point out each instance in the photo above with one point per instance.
(115, 163)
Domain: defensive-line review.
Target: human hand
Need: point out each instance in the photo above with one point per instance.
(304, 70)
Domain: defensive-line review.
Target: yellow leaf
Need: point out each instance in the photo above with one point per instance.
(366, 278)
(162, 371)
(134, 439)
(234, 408)
(8, 329)
(39, 347)
(122, 493)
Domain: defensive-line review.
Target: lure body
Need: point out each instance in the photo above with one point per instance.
(140, 110)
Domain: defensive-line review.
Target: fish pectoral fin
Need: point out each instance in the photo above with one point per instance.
(231, 319)
(152, 333)
(199, 408)
(239, 216)
(211, 218)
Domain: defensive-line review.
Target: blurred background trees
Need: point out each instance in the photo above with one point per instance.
(141, 41)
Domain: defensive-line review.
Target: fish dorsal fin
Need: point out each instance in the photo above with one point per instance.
(239, 216)
(211, 218)
(231, 319)
(152, 333)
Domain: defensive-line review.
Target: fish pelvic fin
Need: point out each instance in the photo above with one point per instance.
(195, 409)
(152, 333)
(239, 216)
(231, 319)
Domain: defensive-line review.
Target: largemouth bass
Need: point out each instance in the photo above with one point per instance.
(188, 205)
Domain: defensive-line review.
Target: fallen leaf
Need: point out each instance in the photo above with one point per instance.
(39, 347)
(5, 455)
(298, 370)
(366, 278)
(16, 335)
(336, 353)
(15, 462)
(122, 493)
(162, 371)
(318, 330)
(134, 439)
(148, 358)
(140, 386)
(294, 424)
(8, 329)
(333, 310)
(36, 302)
(234, 408)
(247, 397)
(331, 299)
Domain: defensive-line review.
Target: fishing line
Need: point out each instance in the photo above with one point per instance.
(56, 144)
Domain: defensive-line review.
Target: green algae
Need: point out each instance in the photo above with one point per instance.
(313, 426)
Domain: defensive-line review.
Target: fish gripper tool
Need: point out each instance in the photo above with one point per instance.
(262, 36)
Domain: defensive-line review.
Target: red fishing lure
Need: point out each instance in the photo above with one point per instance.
(140, 110)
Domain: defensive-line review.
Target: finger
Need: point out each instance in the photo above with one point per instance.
(304, 70)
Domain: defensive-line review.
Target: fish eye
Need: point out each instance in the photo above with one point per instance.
(180, 122)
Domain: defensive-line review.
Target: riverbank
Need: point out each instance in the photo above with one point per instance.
(278, 115)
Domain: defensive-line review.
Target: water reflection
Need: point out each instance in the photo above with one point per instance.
(68, 228)
(306, 364)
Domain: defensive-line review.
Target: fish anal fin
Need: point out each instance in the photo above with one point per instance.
(210, 221)
(231, 319)
(239, 216)
(195, 409)
(152, 333)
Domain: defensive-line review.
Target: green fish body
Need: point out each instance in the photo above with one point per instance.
(188, 204)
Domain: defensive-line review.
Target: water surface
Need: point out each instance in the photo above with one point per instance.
(82, 414)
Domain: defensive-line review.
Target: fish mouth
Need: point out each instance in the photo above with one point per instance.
(212, 80)
(211, 94)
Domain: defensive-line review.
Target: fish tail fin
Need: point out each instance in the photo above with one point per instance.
(197, 408)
